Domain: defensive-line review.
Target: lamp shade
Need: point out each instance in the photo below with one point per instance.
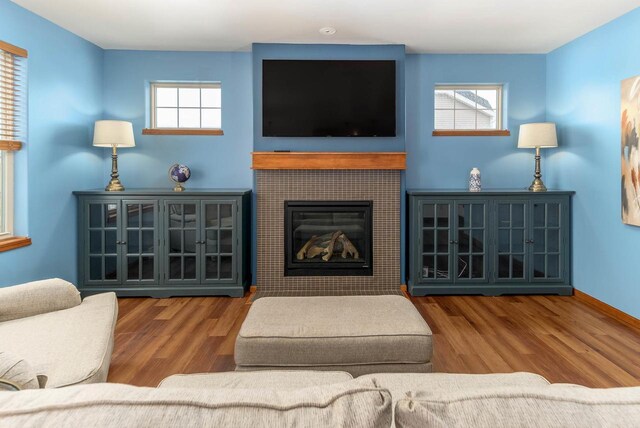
(109, 133)
(534, 135)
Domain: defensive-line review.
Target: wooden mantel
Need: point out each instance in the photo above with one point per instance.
(329, 160)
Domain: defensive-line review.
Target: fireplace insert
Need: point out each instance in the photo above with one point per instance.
(328, 238)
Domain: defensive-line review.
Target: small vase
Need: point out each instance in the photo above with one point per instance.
(474, 180)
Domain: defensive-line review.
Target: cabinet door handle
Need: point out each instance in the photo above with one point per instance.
(123, 242)
(453, 242)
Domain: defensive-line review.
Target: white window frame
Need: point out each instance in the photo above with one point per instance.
(7, 194)
(201, 85)
(461, 87)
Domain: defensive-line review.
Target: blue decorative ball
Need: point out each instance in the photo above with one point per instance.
(179, 173)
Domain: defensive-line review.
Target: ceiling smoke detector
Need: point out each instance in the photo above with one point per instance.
(327, 31)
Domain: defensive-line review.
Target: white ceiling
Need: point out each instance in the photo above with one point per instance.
(429, 26)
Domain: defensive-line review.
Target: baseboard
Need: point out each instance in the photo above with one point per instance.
(253, 288)
(617, 314)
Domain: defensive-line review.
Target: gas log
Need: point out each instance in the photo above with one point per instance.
(326, 245)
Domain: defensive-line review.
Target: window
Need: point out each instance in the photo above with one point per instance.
(186, 108)
(468, 110)
(12, 129)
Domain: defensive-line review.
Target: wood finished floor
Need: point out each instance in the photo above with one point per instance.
(558, 337)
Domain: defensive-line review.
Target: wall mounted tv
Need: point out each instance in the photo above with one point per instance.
(328, 98)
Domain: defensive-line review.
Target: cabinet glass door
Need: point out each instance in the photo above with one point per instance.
(219, 241)
(471, 241)
(103, 242)
(182, 243)
(140, 258)
(511, 260)
(546, 242)
(436, 241)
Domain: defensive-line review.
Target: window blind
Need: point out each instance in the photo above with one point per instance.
(12, 96)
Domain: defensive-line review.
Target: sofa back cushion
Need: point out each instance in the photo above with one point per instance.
(37, 297)
(354, 404)
(546, 406)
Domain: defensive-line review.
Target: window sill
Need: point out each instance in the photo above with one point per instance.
(158, 131)
(14, 242)
(472, 133)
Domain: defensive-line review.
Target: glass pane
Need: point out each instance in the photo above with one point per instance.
(212, 241)
(147, 267)
(478, 240)
(95, 215)
(538, 215)
(211, 118)
(517, 213)
(443, 215)
(189, 97)
(487, 119)
(538, 266)
(111, 267)
(503, 241)
(189, 267)
(226, 267)
(147, 241)
(477, 215)
(442, 266)
(518, 266)
(428, 267)
(148, 212)
(539, 241)
(166, 97)
(211, 215)
(463, 241)
(553, 266)
(189, 215)
(211, 97)
(175, 241)
(226, 215)
(553, 240)
(465, 119)
(517, 240)
(133, 242)
(226, 242)
(553, 215)
(465, 99)
(443, 99)
(175, 215)
(428, 213)
(133, 271)
(110, 215)
(477, 266)
(189, 118)
(464, 212)
(189, 241)
(487, 99)
(428, 241)
(95, 268)
(503, 266)
(504, 215)
(463, 267)
(211, 270)
(175, 267)
(166, 118)
(443, 119)
(133, 215)
(443, 241)
(110, 238)
(95, 242)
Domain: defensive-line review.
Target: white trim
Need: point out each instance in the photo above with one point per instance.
(200, 85)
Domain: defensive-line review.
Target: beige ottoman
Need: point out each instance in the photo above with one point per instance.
(356, 334)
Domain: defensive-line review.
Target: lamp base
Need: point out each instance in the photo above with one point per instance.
(114, 185)
(537, 186)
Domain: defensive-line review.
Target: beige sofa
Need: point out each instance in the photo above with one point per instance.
(61, 336)
(314, 399)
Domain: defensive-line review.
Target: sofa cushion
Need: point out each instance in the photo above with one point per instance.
(70, 346)
(280, 380)
(17, 371)
(337, 330)
(530, 406)
(353, 404)
(37, 297)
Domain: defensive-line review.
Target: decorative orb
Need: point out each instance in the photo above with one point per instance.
(179, 173)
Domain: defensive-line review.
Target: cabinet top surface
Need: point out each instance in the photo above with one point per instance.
(165, 192)
(487, 192)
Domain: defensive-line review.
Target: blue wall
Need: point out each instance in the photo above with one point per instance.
(445, 162)
(65, 98)
(215, 161)
(583, 97)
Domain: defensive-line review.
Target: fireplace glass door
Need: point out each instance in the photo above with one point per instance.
(328, 238)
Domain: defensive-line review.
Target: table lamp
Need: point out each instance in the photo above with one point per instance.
(113, 133)
(537, 136)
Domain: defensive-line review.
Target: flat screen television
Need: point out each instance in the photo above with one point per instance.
(328, 98)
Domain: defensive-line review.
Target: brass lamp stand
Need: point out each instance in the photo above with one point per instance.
(114, 184)
(537, 185)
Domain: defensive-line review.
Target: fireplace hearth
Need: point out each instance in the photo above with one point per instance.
(328, 238)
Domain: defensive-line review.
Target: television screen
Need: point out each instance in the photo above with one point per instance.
(328, 98)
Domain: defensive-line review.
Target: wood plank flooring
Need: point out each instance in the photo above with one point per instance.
(560, 338)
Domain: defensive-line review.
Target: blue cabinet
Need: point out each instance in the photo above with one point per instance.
(161, 243)
(491, 242)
